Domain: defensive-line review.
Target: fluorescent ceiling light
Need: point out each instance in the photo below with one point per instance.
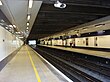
(27, 23)
(6, 27)
(27, 28)
(10, 25)
(1, 3)
(17, 32)
(21, 37)
(59, 4)
(28, 17)
(30, 3)
(14, 26)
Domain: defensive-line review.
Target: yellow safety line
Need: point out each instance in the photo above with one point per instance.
(33, 65)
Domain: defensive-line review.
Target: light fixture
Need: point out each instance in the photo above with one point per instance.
(6, 27)
(27, 28)
(1, 3)
(14, 26)
(28, 17)
(59, 4)
(11, 26)
(27, 23)
(30, 3)
(17, 32)
(21, 37)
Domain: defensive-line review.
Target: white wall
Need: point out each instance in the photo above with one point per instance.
(8, 43)
(53, 42)
(2, 44)
(103, 41)
(91, 41)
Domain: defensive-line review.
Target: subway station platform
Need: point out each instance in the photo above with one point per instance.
(29, 66)
(102, 54)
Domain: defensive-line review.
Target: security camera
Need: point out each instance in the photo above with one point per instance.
(62, 5)
(59, 5)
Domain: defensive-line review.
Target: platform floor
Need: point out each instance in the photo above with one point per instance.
(84, 51)
(27, 66)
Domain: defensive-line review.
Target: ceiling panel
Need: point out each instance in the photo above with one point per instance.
(19, 12)
(16, 11)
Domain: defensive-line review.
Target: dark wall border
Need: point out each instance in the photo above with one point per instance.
(8, 58)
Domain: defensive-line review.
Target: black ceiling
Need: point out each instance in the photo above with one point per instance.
(51, 20)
